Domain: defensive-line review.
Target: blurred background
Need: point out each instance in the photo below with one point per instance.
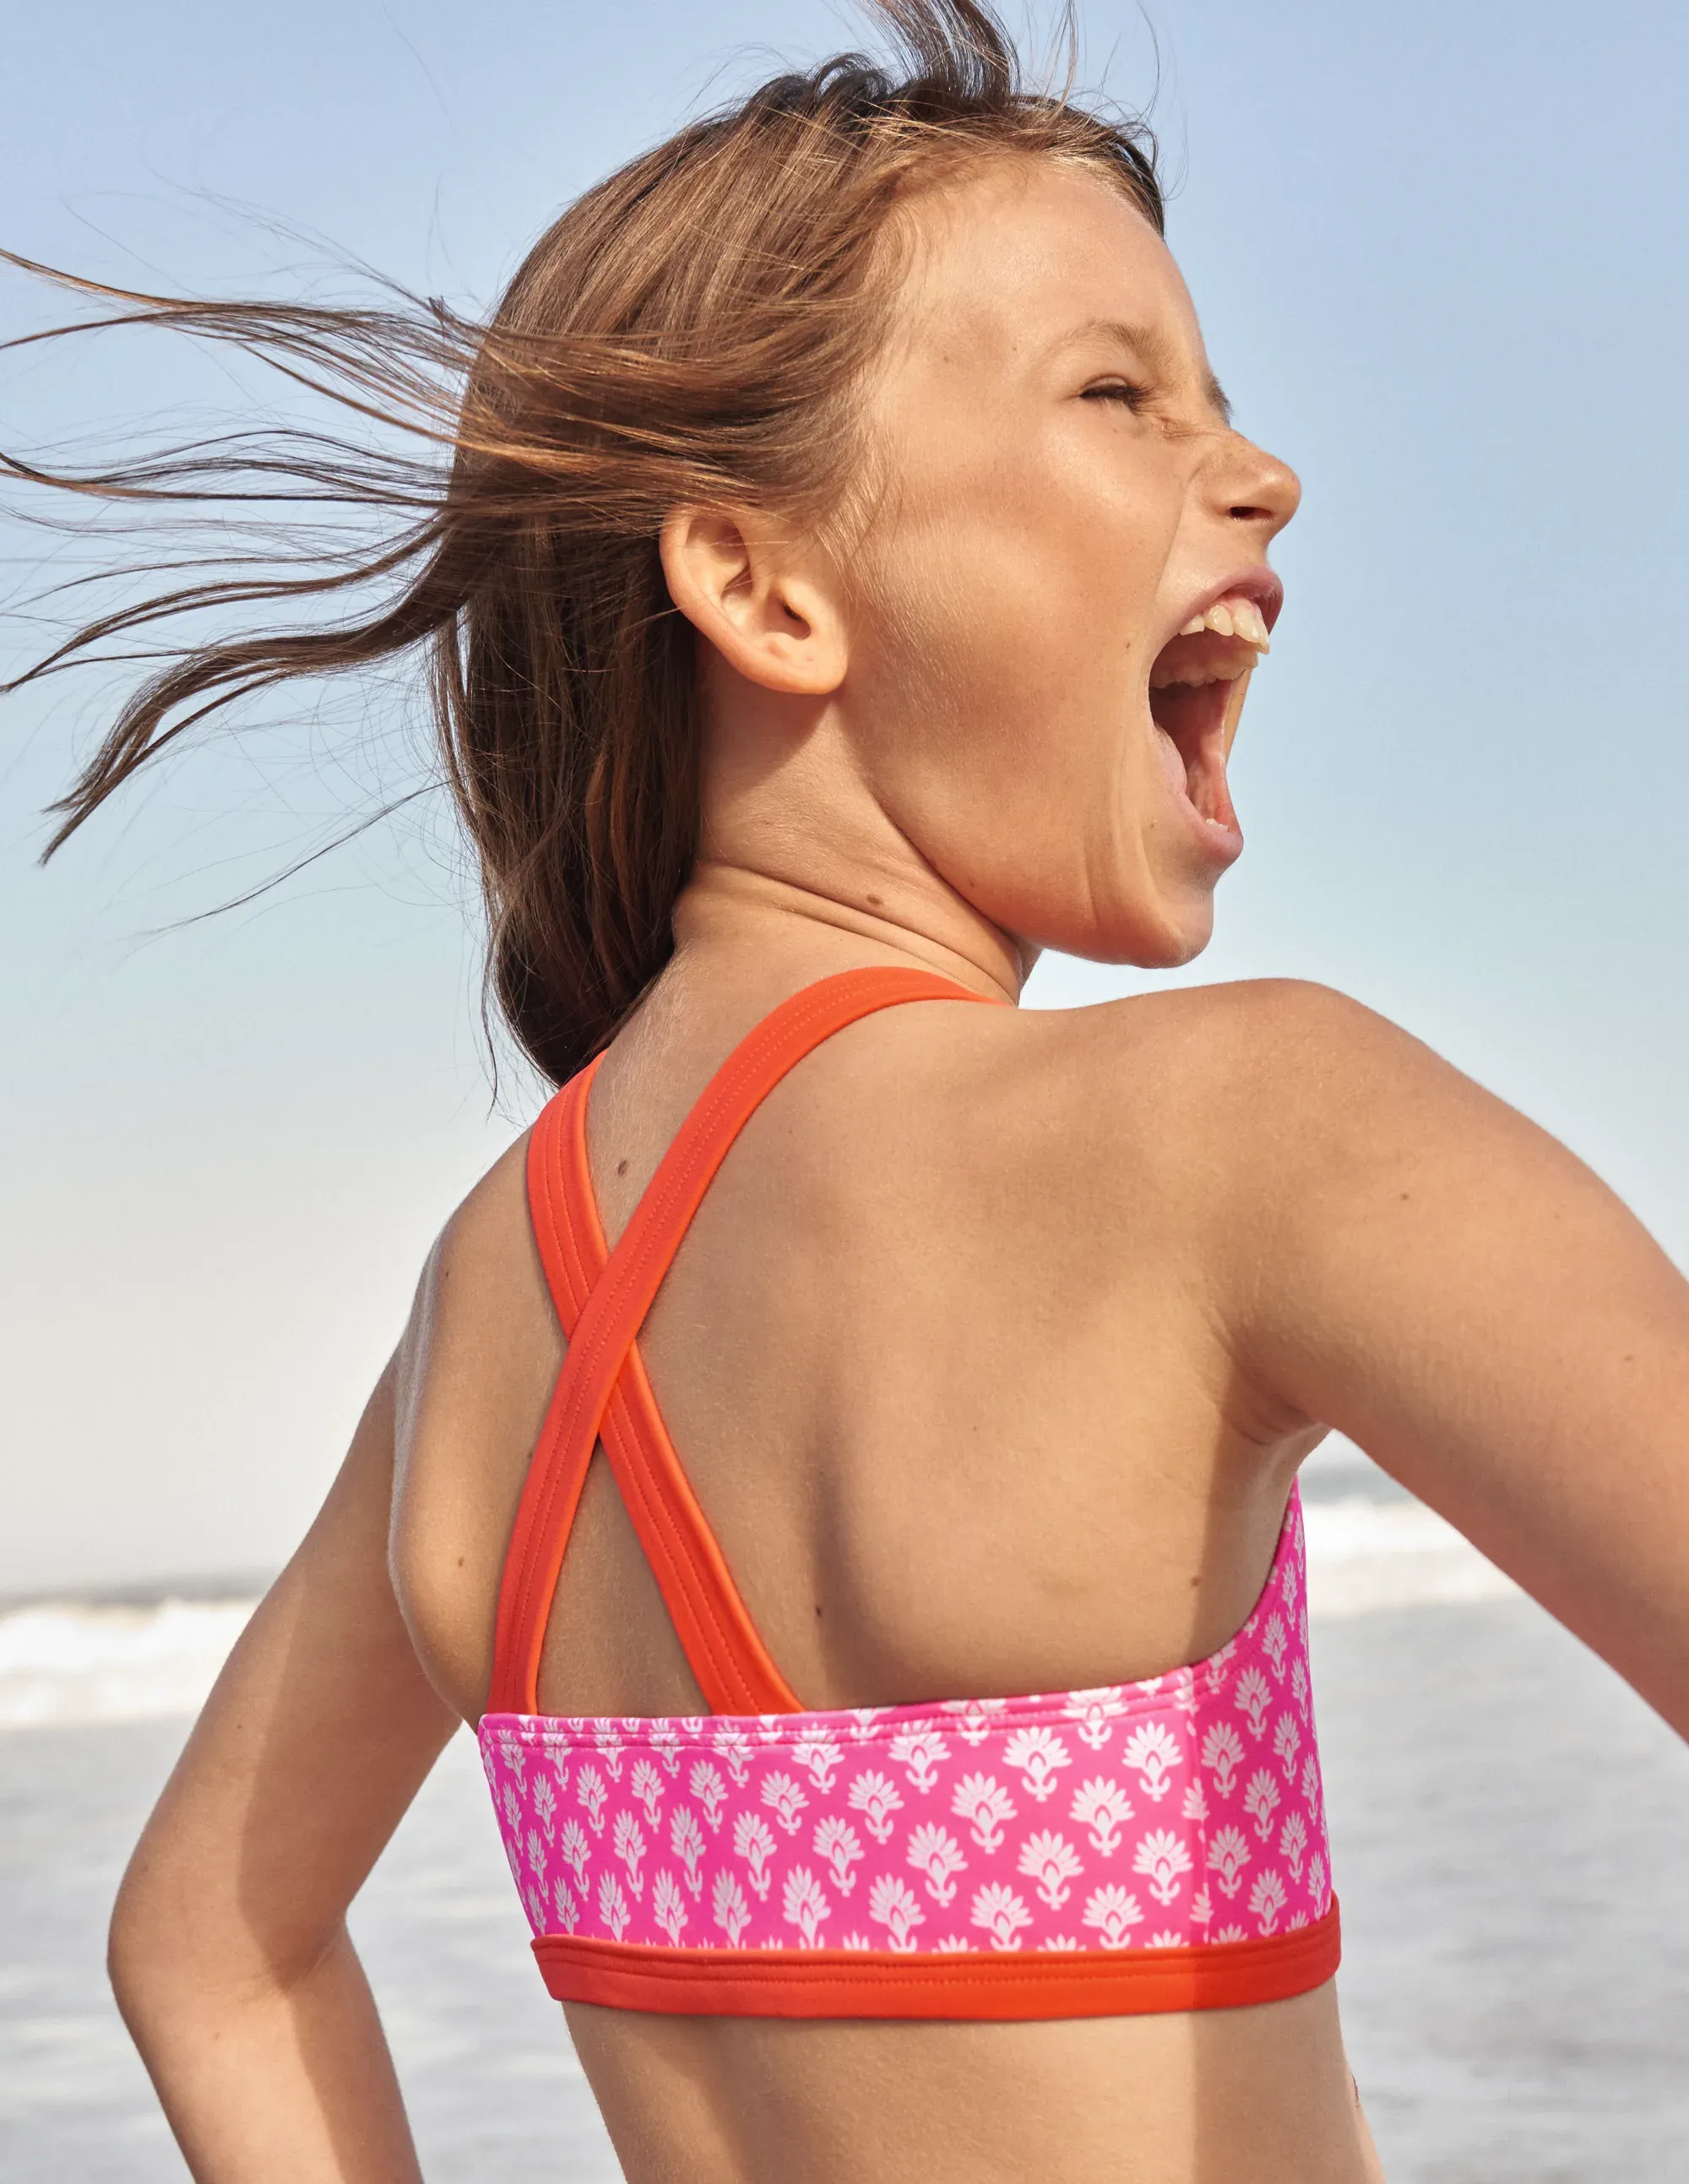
(1438, 252)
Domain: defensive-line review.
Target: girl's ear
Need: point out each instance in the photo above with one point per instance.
(766, 600)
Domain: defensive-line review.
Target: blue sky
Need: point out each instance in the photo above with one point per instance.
(1438, 252)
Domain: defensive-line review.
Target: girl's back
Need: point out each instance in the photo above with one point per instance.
(944, 1356)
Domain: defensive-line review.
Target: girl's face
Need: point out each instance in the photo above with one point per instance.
(1032, 691)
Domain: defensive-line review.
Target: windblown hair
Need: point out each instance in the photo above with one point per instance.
(690, 332)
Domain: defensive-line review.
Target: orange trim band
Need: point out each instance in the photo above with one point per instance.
(878, 1983)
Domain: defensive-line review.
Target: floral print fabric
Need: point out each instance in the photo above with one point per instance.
(1182, 1810)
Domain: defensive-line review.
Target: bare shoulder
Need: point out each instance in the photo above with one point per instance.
(1261, 1081)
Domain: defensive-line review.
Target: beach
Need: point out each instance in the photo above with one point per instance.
(1508, 1825)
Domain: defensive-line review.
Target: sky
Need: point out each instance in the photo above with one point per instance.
(1438, 254)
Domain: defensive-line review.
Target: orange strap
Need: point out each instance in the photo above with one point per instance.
(711, 1982)
(602, 1299)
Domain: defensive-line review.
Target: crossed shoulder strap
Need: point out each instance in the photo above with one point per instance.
(603, 1392)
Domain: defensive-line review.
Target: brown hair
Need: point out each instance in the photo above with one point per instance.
(689, 331)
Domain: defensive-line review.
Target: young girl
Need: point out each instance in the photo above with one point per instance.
(845, 586)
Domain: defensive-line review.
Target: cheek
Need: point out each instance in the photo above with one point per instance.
(1008, 627)
(998, 678)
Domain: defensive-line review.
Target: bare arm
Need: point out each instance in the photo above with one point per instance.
(1448, 1285)
(229, 1951)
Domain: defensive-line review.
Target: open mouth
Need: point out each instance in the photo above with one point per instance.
(1197, 686)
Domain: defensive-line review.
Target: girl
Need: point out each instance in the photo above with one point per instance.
(845, 587)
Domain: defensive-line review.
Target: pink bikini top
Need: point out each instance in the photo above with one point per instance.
(1153, 1846)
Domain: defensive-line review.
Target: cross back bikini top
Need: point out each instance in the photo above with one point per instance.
(1152, 1846)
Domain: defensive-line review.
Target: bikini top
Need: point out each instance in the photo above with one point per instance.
(1145, 1847)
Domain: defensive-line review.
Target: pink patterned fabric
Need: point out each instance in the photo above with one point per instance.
(1184, 1810)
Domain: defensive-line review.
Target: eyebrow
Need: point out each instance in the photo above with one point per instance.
(1154, 348)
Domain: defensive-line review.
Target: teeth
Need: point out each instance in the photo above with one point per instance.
(1232, 617)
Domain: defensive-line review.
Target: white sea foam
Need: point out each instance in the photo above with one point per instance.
(63, 1662)
(1365, 1556)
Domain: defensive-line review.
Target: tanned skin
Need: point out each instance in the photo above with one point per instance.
(996, 1344)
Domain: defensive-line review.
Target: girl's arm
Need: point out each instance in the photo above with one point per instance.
(230, 1955)
(1443, 1281)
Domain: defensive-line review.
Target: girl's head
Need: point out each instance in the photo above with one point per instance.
(838, 490)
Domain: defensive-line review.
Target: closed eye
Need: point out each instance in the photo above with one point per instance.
(1118, 390)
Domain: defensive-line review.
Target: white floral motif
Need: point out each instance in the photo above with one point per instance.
(1153, 1750)
(1316, 1878)
(575, 1851)
(647, 1789)
(918, 1754)
(665, 1743)
(1163, 1858)
(974, 1724)
(1254, 1696)
(627, 1840)
(1050, 1860)
(545, 1806)
(877, 1797)
(512, 1808)
(536, 1850)
(1101, 1805)
(1222, 1755)
(836, 1841)
(804, 1903)
(935, 1852)
(1286, 1744)
(686, 1839)
(785, 1800)
(953, 1945)
(1038, 1753)
(1113, 1911)
(1311, 1781)
(1266, 1900)
(1261, 1801)
(1275, 1642)
(1293, 1844)
(981, 1801)
(591, 1789)
(568, 1910)
(892, 1904)
(1299, 1685)
(1228, 1855)
(1093, 1714)
(668, 1905)
(733, 1749)
(613, 1906)
(610, 1747)
(1001, 1913)
(706, 1785)
(815, 1749)
(754, 1842)
(1195, 1805)
(728, 1904)
(1202, 1906)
